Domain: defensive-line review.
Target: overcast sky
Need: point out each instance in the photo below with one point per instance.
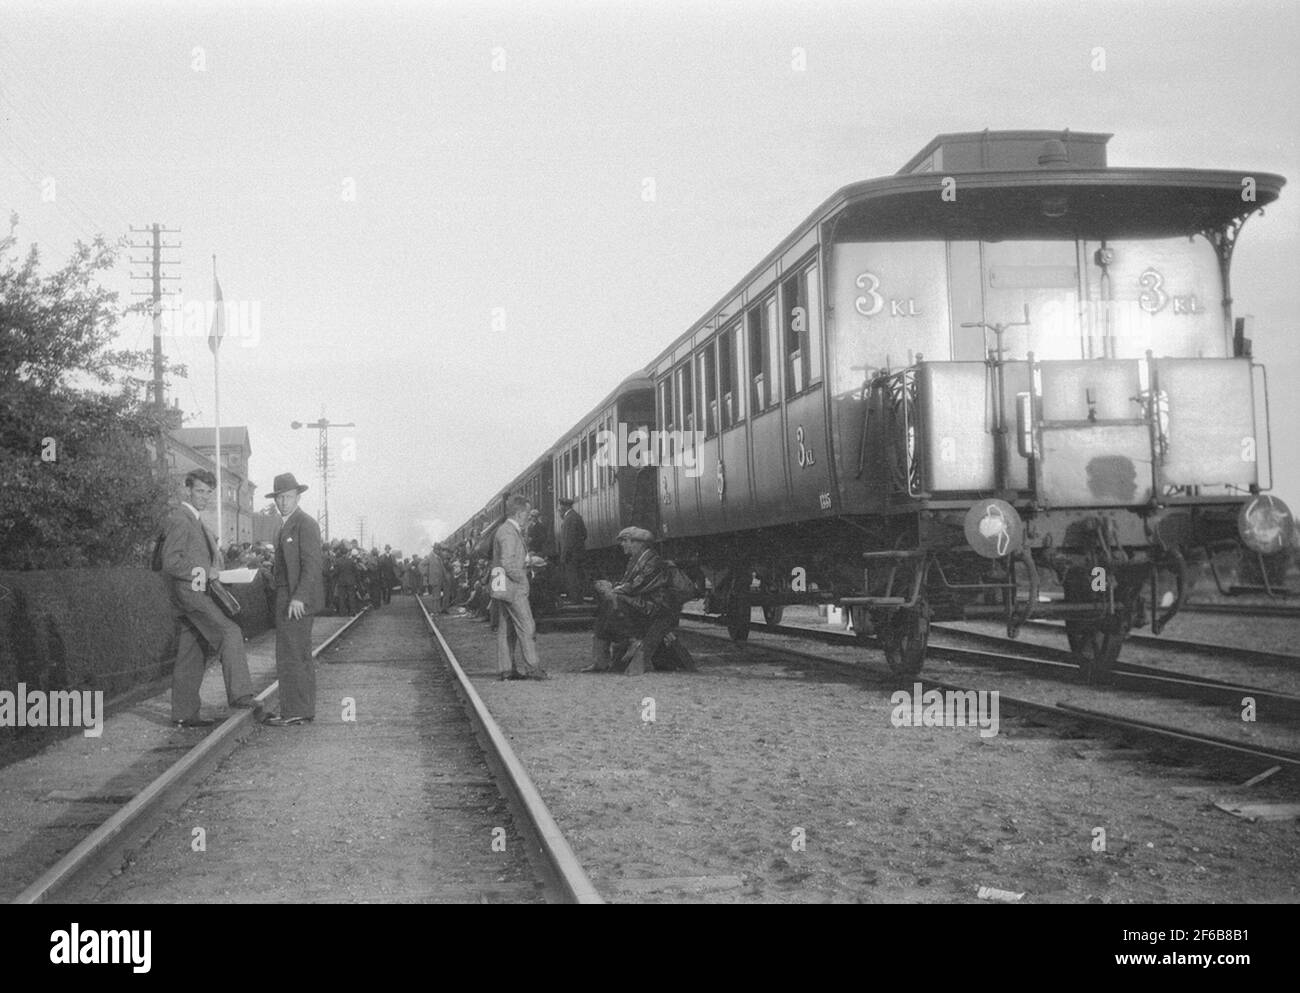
(438, 210)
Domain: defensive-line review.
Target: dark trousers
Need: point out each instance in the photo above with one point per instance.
(294, 666)
(575, 584)
(345, 599)
(202, 621)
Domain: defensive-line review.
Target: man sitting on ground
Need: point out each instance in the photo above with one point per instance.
(641, 608)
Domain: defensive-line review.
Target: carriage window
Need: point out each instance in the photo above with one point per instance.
(611, 461)
(795, 320)
(686, 402)
(812, 295)
(736, 341)
(564, 474)
(727, 378)
(773, 328)
(575, 467)
(707, 392)
(584, 476)
(667, 414)
(758, 370)
(589, 463)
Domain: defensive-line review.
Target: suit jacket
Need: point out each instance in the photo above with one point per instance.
(573, 535)
(509, 552)
(437, 573)
(298, 561)
(187, 545)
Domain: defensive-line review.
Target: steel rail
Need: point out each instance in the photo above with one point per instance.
(1252, 656)
(1241, 609)
(1270, 704)
(1068, 711)
(548, 840)
(195, 763)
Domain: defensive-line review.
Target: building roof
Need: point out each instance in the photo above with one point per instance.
(200, 438)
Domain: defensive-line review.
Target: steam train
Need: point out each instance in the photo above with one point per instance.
(1003, 383)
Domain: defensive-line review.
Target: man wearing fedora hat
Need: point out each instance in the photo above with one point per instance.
(299, 596)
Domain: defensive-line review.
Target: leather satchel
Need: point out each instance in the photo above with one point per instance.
(224, 598)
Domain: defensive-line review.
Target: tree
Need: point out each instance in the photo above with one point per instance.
(79, 483)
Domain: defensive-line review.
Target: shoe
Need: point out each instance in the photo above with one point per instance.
(278, 721)
(247, 702)
(502, 677)
(194, 722)
(516, 675)
(538, 673)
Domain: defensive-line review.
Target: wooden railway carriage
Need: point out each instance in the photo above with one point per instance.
(589, 463)
(1006, 364)
(602, 464)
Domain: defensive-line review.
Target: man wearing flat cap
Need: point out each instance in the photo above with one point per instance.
(573, 548)
(627, 611)
(299, 596)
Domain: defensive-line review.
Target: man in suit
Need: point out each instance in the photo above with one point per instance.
(573, 548)
(190, 562)
(437, 581)
(387, 573)
(345, 583)
(299, 596)
(515, 615)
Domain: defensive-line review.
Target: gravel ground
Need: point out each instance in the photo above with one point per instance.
(763, 779)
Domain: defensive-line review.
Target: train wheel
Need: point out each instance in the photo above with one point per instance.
(738, 611)
(904, 634)
(773, 615)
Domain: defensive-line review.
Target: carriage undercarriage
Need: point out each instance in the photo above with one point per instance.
(1099, 587)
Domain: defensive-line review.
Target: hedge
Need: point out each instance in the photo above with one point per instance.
(96, 629)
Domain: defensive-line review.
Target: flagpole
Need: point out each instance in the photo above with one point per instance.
(216, 403)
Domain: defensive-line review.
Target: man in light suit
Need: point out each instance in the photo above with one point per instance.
(299, 596)
(190, 561)
(515, 615)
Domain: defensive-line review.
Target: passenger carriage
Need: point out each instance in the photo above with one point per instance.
(1003, 382)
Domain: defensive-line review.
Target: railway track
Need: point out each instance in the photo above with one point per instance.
(1059, 664)
(1242, 609)
(548, 846)
(1284, 707)
(429, 758)
(1249, 656)
(131, 824)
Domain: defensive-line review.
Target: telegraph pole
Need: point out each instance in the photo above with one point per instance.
(361, 526)
(323, 461)
(156, 262)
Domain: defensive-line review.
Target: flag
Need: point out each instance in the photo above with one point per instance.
(218, 313)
